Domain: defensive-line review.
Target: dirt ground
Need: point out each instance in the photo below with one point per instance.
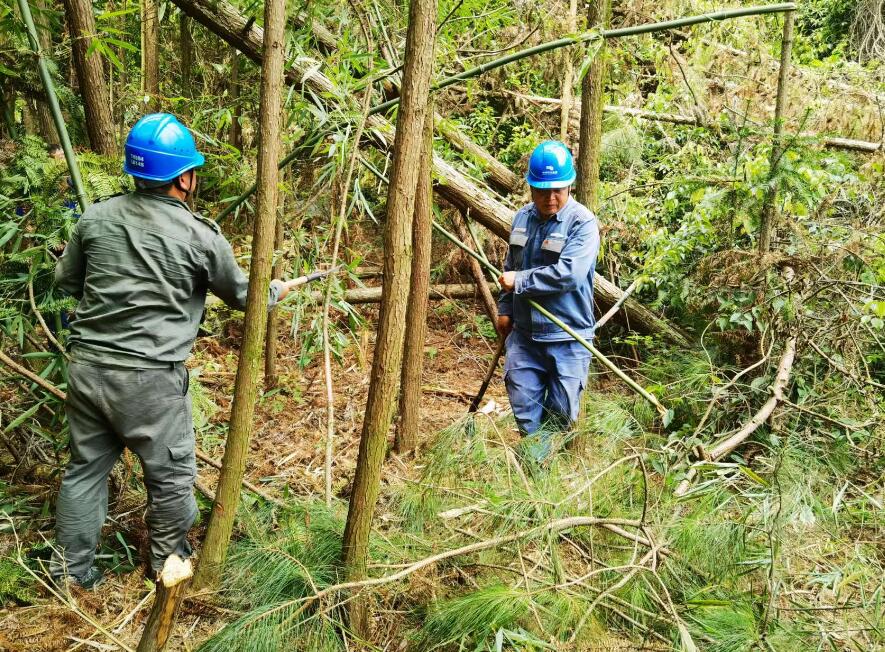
(287, 452)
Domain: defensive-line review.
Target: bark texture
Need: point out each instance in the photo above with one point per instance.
(150, 52)
(90, 77)
(186, 54)
(255, 322)
(397, 248)
(592, 96)
(568, 77)
(271, 379)
(479, 277)
(171, 588)
(236, 133)
(769, 210)
(416, 326)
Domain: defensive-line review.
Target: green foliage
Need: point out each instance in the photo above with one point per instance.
(16, 585)
(473, 618)
(826, 25)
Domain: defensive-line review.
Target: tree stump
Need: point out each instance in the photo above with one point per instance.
(172, 585)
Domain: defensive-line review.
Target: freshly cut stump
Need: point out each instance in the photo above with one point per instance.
(171, 588)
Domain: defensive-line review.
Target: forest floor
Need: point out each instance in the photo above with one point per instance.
(286, 459)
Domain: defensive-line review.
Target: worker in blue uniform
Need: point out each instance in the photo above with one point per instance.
(551, 259)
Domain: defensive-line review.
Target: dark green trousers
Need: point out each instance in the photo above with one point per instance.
(147, 411)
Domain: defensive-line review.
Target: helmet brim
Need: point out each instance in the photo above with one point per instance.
(544, 184)
(194, 162)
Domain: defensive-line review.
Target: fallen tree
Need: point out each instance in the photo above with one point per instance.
(221, 18)
(832, 142)
(730, 443)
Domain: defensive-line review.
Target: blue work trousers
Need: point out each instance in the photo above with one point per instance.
(544, 381)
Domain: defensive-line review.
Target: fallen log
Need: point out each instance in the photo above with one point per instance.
(833, 142)
(373, 295)
(221, 18)
(729, 444)
(498, 173)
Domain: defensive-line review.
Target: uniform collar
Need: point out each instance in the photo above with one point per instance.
(166, 199)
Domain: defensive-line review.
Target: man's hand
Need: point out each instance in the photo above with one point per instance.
(507, 281)
(286, 287)
(505, 324)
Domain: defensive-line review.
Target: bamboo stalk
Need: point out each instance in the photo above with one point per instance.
(726, 446)
(636, 387)
(614, 309)
(769, 211)
(52, 97)
(592, 35)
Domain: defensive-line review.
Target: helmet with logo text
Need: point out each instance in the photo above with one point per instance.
(551, 166)
(159, 148)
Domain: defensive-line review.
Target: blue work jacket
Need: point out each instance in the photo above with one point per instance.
(554, 263)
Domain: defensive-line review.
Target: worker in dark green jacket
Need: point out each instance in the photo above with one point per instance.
(140, 265)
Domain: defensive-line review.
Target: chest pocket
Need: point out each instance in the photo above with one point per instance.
(552, 246)
(518, 238)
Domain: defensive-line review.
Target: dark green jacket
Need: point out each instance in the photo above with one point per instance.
(140, 265)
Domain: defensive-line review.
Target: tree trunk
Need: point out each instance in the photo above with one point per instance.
(44, 115)
(90, 77)
(223, 19)
(271, 380)
(769, 210)
(227, 497)
(479, 277)
(236, 133)
(416, 314)
(568, 78)
(186, 47)
(150, 53)
(171, 588)
(389, 344)
(592, 96)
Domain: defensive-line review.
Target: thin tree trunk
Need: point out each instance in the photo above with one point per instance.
(416, 314)
(769, 210)
(242, 409)
(568, 78)
(389, 344)
(44, 115)
(150, 52)
(479, 277)
(186, 47)
(592, 101)
(171, 588)
(90, 77)
(236, 134)
(271, 379)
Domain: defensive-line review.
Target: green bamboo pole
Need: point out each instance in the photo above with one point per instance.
(55, 109)
(592, 35)
(636, 387)
(538, 49)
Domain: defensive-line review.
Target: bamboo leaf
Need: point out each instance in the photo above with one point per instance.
(593, 48)
(113, 14)
(121, 44)
(688, 644)
(22, 418)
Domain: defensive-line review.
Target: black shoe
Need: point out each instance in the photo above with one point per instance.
(90, 580)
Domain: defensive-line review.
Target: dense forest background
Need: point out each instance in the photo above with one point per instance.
(746, 515)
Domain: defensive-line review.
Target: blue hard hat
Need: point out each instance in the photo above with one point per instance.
(159, 148)
(551, 166)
